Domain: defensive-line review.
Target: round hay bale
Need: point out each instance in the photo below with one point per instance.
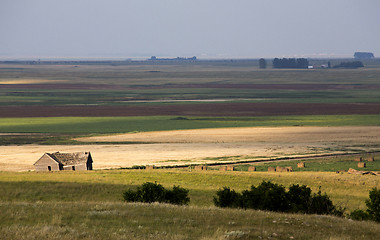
(223, 168)
(230, 168)
(251, 169)
(281, 169)
(361, 165)
(371, 159)
(198, 167)
(301, 165)
(271, 169)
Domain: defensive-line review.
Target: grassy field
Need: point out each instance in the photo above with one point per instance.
(88, 205)
(92, 220)
(61, 130)
(104, 125)
(108, 185)
(121, 85)
(325, 164)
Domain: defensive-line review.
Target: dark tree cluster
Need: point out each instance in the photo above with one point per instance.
(354, 64)
(373, 208)
(273, 197)
(364, 55)
(262, 63)
(153, 192)
(290, 63)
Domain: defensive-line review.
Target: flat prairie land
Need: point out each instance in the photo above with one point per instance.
(203, 146)
(295, 134)
(234, 113)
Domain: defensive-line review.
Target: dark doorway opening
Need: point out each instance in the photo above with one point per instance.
(73, 168)
(49, 168)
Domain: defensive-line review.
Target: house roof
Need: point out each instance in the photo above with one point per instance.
(68, 159)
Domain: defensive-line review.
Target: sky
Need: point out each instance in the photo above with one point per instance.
(186, 28)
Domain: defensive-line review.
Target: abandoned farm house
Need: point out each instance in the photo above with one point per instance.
(64, 161)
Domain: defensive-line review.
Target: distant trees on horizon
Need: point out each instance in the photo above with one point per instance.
(290, 63)
(363, 55)
(262, 63)
(354, 64)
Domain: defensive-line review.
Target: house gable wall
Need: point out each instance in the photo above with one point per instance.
(44, 162)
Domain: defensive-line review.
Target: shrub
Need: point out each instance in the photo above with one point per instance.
(321, 204)
(359, 215)
(373, 204)
(273, 197)
(131, 196)
(177, 196)
(153, 192)
(299, 198)
(227, 198)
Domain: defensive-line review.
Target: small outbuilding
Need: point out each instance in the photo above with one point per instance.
(64, 161)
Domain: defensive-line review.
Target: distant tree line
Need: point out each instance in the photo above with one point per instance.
(355, 64)
(290, 63)
(364, 55)
(262, 63)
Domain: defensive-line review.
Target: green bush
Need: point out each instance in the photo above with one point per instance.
(267, 196)
(299, 198)
(177, 196)
(153, 192)
(373, 204)
(321, 204)
(274, 197)
(227, 198)
(359, 215)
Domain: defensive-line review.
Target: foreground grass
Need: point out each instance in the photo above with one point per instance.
(84, 220)
(346, 190)
(89, 205)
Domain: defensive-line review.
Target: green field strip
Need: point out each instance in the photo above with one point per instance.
(105, 125)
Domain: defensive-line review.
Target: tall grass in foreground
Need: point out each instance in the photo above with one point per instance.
(101, 220)
(347, 190)
(89, 205)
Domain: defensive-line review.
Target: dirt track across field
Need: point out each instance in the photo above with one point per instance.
(205, 146)
(205, 109)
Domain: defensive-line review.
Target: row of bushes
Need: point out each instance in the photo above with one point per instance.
(266, 196)
(273, 197)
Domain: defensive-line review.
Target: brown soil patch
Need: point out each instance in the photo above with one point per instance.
(205, 109)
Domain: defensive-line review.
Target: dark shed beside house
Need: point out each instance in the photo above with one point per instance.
(64, 161)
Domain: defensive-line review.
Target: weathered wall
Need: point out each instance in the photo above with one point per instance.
(44, 162)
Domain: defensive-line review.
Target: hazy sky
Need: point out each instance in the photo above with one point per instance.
(202, 28)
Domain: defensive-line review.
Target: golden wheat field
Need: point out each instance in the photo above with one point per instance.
(184, 147)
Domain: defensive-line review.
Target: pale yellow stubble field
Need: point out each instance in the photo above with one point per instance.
(182, 147)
